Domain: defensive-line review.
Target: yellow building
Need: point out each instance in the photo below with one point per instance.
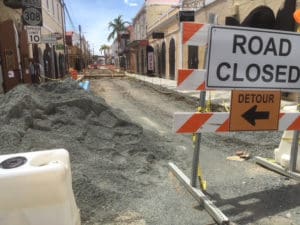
(51, 51)
(39, 40)
(165, 33)
(143, 50)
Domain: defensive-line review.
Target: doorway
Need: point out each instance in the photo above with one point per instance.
(172, 59)
(163, 60)
(193, 59)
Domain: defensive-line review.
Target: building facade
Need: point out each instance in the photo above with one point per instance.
(143, 51)
(164, 32)
(51, 51)
(11, 70)
(37, 52)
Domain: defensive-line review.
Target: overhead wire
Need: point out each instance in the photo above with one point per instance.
(69, 17)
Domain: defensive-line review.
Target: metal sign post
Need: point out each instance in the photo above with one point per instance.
(195, 36)
(256, 59)
(250, 59)
(294, 151)
(295, 143)
(197, 146)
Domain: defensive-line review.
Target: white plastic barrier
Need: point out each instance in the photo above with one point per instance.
(36, 189)
(283, 152)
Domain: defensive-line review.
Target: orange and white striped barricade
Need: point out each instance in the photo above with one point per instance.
(186, 122)
(289, 121)
(195, 34)
(190, 122)
(190, 79)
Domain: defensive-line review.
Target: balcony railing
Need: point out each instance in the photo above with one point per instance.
(163, 19)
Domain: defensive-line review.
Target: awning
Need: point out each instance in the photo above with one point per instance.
(138, 43)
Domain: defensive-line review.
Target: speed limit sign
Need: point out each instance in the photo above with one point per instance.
(34, 34)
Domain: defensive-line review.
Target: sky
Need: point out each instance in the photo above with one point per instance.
(94, 15)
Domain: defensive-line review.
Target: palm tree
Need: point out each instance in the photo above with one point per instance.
(104, 50)
(117, 26)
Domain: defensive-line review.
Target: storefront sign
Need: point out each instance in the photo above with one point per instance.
(49, 39)
(150, 61)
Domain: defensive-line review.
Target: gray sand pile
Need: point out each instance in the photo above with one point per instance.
(113, 160)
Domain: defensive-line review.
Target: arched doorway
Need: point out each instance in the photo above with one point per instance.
(150, 60)
(47, 61)
(163, 59)
(172, 59)
(137, 62)
(193, 57)
(55, 60)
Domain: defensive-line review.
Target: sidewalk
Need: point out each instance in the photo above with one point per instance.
(217, 97)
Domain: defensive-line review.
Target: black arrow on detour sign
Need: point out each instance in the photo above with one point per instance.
(252, 115)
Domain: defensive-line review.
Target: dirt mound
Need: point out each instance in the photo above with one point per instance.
(112, 159)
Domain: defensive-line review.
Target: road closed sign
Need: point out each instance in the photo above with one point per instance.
(246, 58)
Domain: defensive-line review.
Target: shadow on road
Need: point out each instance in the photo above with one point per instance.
(258, 205)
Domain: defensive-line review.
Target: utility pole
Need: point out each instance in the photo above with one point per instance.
(80, 40)
(66, 54)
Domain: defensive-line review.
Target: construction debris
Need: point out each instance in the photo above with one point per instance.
(239, 156)
(109, 154)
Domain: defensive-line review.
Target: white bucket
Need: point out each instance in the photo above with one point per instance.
(283, 152)
(36, 189)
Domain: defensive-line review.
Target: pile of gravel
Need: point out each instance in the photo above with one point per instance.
(112, 159)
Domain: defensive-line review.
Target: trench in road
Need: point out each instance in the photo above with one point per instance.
(229, 182)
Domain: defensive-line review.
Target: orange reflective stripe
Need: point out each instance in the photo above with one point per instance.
(295, 125)
(224, 127)
(182, 75)
(189, 29)
(201, 87)
(194, 123)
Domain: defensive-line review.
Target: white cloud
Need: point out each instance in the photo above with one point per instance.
(133, 4)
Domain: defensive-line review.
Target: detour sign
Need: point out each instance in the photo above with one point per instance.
(254, 110)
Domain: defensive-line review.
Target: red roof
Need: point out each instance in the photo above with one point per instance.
(69, 33)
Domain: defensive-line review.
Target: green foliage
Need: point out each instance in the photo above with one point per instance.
(104, 49)
(117, 26)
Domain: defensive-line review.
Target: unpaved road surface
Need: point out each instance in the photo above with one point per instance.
(119, 136)
(244, 191)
